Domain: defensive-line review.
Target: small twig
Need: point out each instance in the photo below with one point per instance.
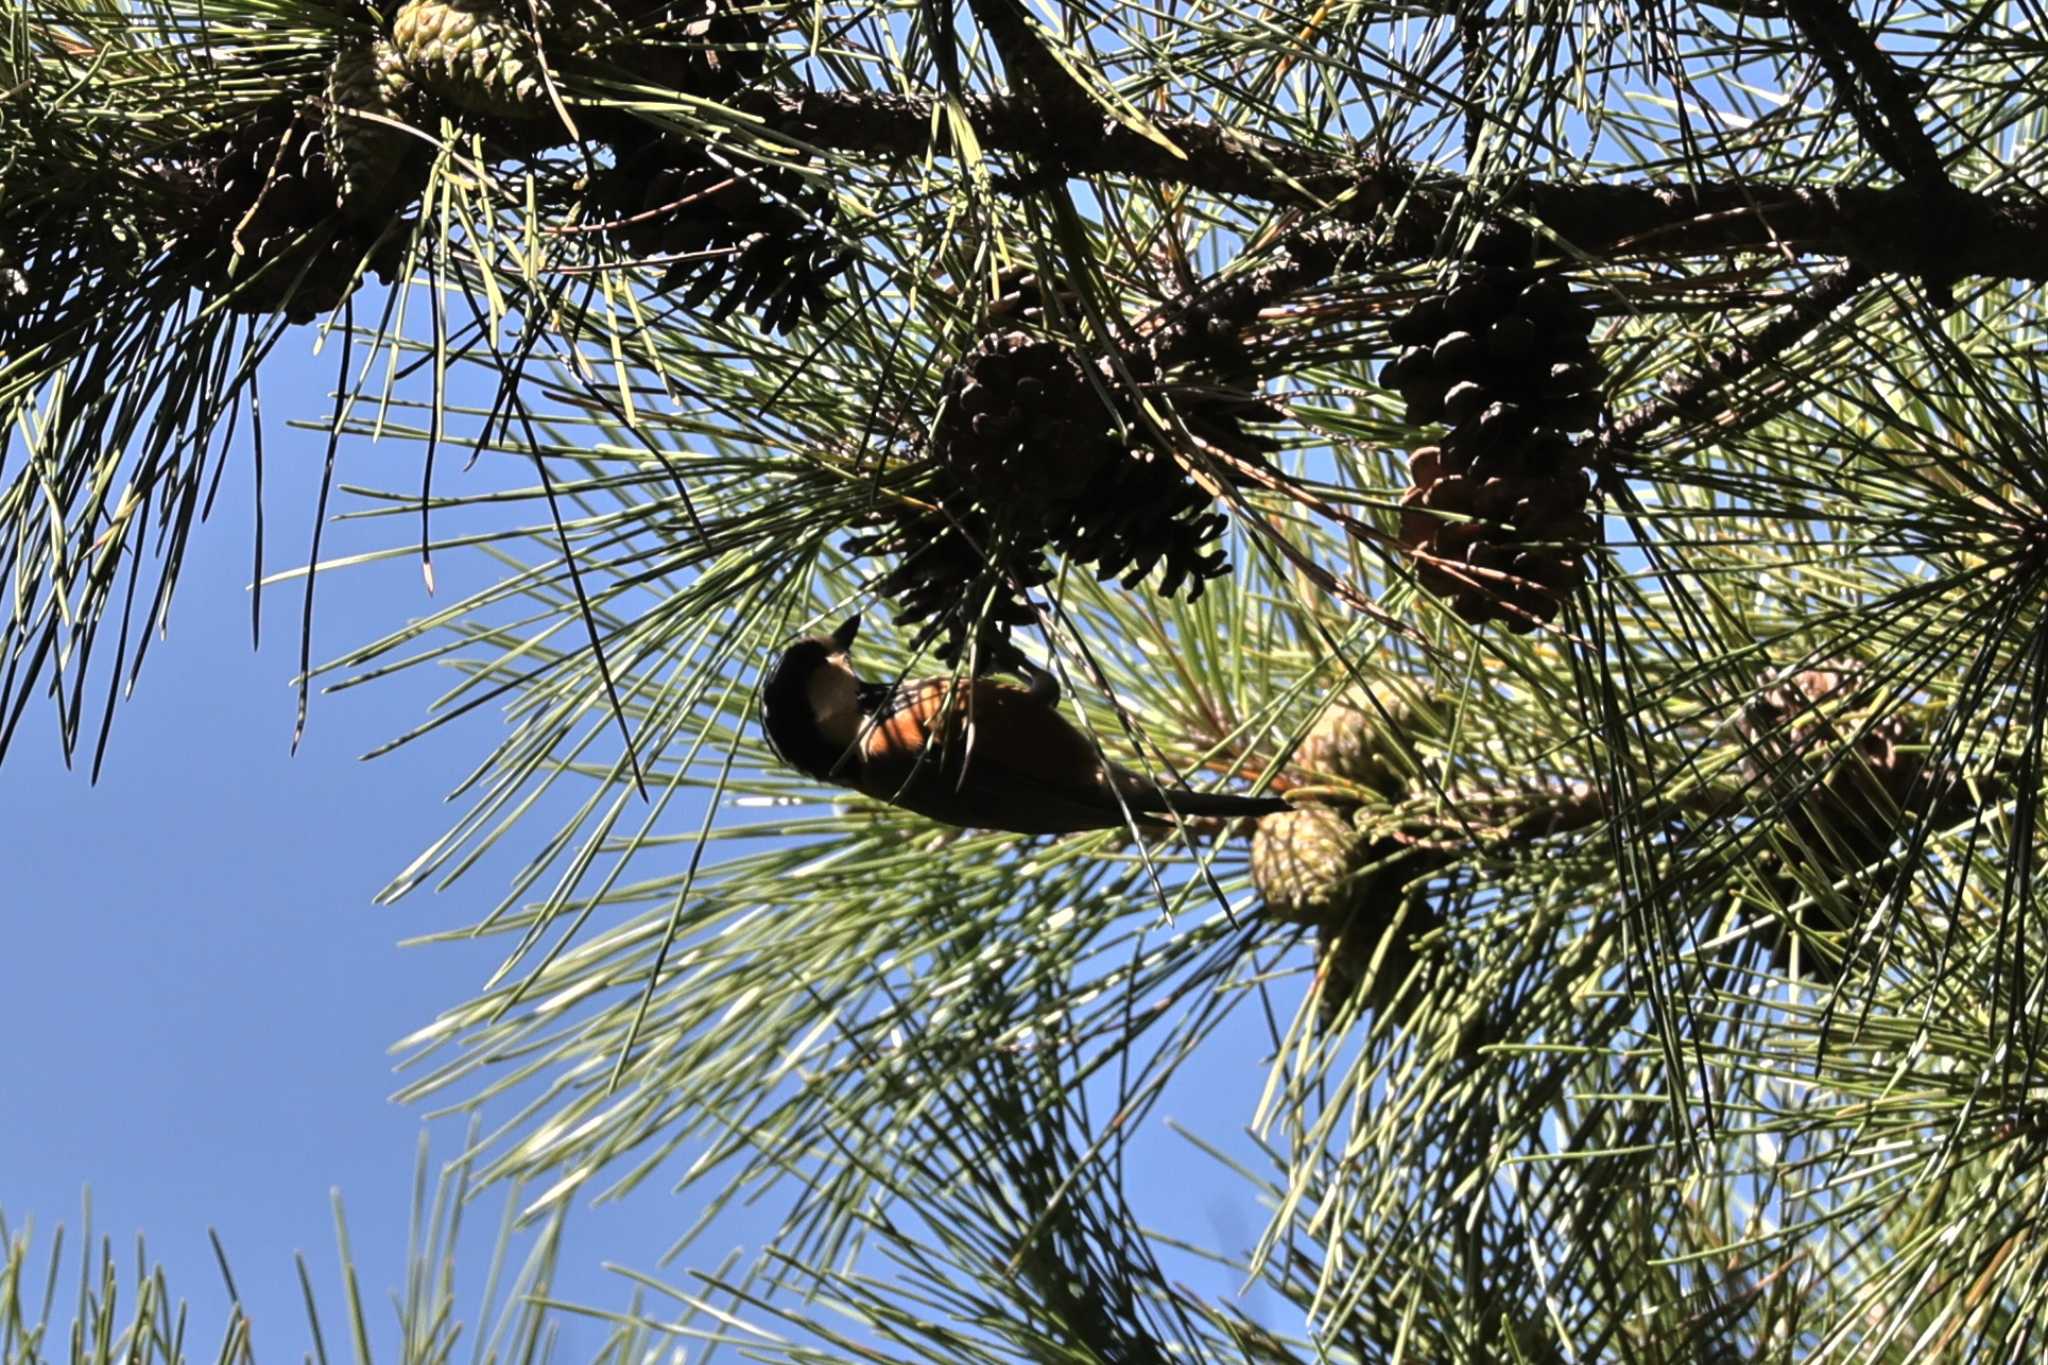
(1472, 55)
(1228, 305)
(647, 215)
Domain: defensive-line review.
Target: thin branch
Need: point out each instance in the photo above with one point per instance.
(1227, 306)
(1693, 395)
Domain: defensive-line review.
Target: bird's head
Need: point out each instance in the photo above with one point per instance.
(810, 701)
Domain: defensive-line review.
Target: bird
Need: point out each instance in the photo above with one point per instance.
(979, 753)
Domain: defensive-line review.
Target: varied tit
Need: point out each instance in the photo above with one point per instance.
(973, 752)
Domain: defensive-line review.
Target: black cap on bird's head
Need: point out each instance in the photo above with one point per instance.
(789, 700)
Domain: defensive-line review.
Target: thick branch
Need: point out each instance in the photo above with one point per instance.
(1883, 229)
(1219, 159)
(1885, 113)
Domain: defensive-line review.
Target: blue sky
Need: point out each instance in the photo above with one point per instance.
(209, 994)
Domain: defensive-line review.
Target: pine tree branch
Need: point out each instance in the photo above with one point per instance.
(1878, 95)
(1064, 104)
(1695, 395)
(1224, 307)
(1884, 229)
(1880, 98)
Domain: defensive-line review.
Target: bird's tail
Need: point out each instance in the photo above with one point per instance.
(1149, 800)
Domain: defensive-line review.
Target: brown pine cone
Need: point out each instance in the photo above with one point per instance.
(712, 49)
(1847, 782)
(1497, 517)
(1816, 742)
(1029, 450)
(1496, 336)
(265, 226)
(1021, 425)
(729, 233)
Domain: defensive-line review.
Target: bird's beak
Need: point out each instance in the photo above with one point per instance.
(842, 638)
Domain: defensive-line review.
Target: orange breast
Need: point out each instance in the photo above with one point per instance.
(982, 723)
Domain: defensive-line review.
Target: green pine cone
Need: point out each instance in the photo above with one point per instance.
(369, 158)
(1352, 742)
(1325, 867)
(1305, 863)
(476, 54)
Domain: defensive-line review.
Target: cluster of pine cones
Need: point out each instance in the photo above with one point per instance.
(1030, 455)
(1325, 865)
(291, 204)
(1497, 517)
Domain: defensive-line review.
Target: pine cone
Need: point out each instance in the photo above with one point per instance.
(947, 562)
(1848, 791)
(1497, 515)
(1136, 515)
(1028, 450)
(1305, 863)
(1354, 743)
(1497, 335)
(1141, 513)
(1021, 425)
(264, 223)
(1021, 296)
(1314, 866)
(1845, 797)
(1384, 923)
(374, 165)
(480, 55)
(731, 233)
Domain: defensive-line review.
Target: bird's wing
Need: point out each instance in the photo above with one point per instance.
(982, 799)
(997, 758)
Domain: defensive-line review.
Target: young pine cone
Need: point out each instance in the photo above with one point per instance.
(375, 166)
(1353, 742)
(1314, 866)
(483, 56)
